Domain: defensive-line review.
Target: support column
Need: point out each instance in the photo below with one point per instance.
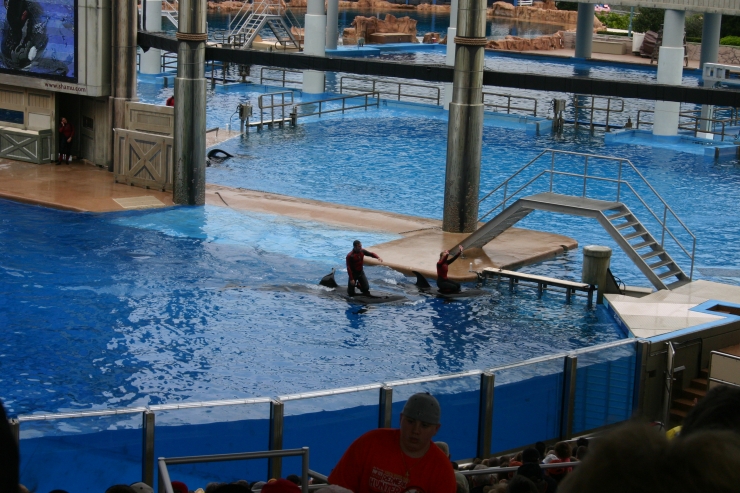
(709, 54)
(123, 84)
(670, 71)
(450, 60)
(314, 44)
(584, 30)
(277, 413)
(190, 105)
(332, 21)
(151, 60)
(465, 127)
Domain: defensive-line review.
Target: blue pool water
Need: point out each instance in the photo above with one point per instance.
(202, 303)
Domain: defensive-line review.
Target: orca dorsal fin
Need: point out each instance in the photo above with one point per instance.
(328, 280)
(421, 281)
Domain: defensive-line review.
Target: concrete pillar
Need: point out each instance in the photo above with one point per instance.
(450, 60)
(151, 60)
(314, 43)
(670, 71)
(596, 261)
(123, 83)
(332, 21)
(584, 30)
(465, 127)
(709, 54)
(190, 105)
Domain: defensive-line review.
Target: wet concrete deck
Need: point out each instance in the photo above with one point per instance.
(86, 188)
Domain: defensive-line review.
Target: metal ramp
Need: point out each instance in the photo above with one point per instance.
(646, 251)
(270, 14)
(170, 9)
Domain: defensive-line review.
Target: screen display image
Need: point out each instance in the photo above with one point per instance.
(38, 38)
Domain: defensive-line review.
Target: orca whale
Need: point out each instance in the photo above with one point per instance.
(217, 156)
(425, 287)
(372, 299)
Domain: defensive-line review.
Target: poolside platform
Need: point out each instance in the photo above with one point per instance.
(604, 57)
(689, 307)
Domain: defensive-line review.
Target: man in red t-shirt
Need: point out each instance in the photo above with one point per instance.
(398, 461)
(355, 261)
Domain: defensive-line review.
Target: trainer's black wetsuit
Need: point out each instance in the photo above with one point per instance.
(444, 284)
(355, 261)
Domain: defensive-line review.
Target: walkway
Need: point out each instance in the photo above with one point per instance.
(606, 57)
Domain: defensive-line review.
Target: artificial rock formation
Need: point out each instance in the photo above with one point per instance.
(545, 14)
(513, 43)
(364, 26)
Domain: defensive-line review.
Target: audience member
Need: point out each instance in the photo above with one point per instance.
(257, 485)
(479, 481)
(231, 488)
(22, 489)
(638, 459)
(280, 486)
(444, 448)
(562, 454)
(530, 456)
(211, 487)
(462, 483)
(294, 478)
(120, 488)
(399, 459)
(718, 410)
(540, 446)
(520, 484)
(142, 488)
(179, 487)
(582, 442)
(581, 452)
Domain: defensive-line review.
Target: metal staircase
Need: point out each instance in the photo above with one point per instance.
(170, 9)
(272, 14)
(633, 237)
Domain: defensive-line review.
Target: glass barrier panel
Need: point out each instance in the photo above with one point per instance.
(460, 399)
(213, 430)
(327, 425)
(604, 384)
(86, 454)
(527, 404)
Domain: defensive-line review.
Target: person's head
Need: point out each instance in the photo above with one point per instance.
(704, 461)
(211, 487)
(280, 486)
(530, 456)
(541, 447)
(718, 410)
(493, 462)
(357, 245)
(232, 488)
(581, 452)
(442, 254)
(582, 442)
(179, 487)
(419, 423)
(562, 450)
(444, 448)
(120, 488)
(294, 478)
(520, 484)
(480, 479)
(462, 483)
(142, 488)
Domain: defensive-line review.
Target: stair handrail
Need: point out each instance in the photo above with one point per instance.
(619, 181)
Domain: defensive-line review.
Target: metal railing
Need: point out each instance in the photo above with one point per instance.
(369, 99)
(168, 61)
(613, 105)
(384, 404)
(165, 485)
(509, 107)
(666, 213)
(692, 121)
(282, 79)
(397, 90)
(272, 106)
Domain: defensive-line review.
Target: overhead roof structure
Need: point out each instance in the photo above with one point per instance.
(443, 73)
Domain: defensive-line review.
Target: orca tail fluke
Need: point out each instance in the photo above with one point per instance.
(421, 281)
(328, 280)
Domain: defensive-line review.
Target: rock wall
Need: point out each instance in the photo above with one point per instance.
(513, 43)
(364, 26)
(547, 14)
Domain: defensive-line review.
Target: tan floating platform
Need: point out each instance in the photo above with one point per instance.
(86, 188)
(423, 239)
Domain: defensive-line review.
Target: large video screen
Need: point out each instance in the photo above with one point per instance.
(39, 38)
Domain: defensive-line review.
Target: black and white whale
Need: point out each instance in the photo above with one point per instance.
(373, 299)
(423, 285)
(217, 156)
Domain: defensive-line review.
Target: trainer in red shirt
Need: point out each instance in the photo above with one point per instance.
(399, 461)
(445, 285)
(355, 261)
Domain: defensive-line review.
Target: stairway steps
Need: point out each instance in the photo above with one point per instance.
(640, 246)
(695, 393)
(699, 383)
(683, 404)
(635, 235)
(668, 274)
(662, 263)
(619, 215)
(704, 373)
(628, 224)
(679, 413)
(651, 254)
